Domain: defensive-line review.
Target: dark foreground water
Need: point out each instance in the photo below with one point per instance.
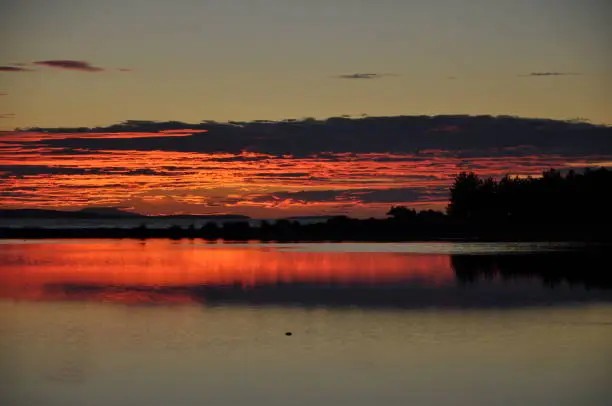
(188, 323)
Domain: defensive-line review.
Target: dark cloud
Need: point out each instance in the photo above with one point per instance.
(276, 175)
(6, 68)
(22, 189)
(364, 75)
(396, 195)
(72, 151)
(3, 94)
(71, 65)
(417, 135)
(537, 74)
(6, 193)
(7, 115)
(392, 195)
(304, 195)
(8, 171)
(101, 186)
(240, 158)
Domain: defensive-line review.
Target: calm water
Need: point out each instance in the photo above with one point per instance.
(188, 323)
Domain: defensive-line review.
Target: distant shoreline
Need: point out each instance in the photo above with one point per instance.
(554, 207)
(313, 233)
(108, 214)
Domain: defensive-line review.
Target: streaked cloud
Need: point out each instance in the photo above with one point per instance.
(540, 74)
(8, 68)
(364, 75)
(70, 65)
(339, 165)
(67, 64)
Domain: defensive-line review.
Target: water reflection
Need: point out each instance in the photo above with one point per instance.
(363, 329)
(168, 272)
(588, 268)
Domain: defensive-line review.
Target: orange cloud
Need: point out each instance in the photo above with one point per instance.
(257, 169)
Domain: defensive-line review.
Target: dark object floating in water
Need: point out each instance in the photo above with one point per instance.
(288, 333)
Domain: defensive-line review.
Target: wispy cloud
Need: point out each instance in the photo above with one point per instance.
(6, 68)
(3, 94)
(7, 115)
(67, 64)
(70, 65)
(364, 75)
(539, 74)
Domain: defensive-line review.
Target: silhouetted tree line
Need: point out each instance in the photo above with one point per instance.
(551, 200)
(339, 228)
(577, 206)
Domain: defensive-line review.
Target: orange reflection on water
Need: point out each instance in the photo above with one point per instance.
(32, 270)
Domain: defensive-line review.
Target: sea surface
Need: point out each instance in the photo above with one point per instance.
(159, 322)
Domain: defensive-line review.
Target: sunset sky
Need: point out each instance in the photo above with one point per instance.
(86, 63)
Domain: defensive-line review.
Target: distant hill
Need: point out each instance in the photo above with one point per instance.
(105, 213)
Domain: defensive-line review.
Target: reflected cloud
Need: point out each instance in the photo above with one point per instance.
(165, 272)
(162, 269)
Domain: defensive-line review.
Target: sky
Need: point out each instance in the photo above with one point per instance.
(192, 60)
(85, 63)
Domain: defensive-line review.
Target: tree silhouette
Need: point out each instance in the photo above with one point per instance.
(402, 213)
(552, 199)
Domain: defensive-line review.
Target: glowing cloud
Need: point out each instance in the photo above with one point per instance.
(358, 167)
